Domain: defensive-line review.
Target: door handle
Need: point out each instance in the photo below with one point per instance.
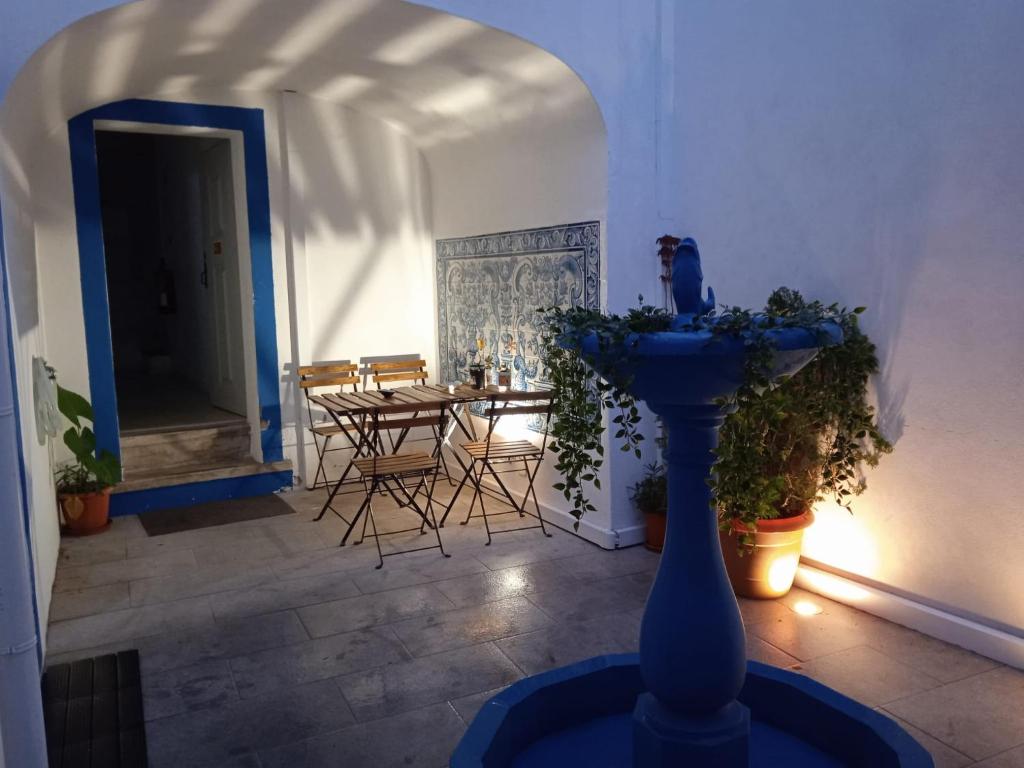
(203, 279)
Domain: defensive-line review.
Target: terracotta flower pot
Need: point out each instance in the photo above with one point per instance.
(655, 538)
(85, 513)
(767, 570)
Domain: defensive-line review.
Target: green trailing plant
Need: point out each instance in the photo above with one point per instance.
(791, 443)
(836, 419)
(650, 494)
(88, 472)
(581, 396)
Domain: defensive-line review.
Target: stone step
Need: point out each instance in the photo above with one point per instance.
(225, 443)
(180, 474)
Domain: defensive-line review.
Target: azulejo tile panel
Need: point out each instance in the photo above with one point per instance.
(493, 286)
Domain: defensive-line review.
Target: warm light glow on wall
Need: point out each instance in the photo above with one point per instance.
(832, 586)
(841, 540)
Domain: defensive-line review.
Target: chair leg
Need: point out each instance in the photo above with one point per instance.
(352, 525)
(472, 503)
(536, 504)
(320, 470)
(376, 538)
(451, 503)
(330, 498)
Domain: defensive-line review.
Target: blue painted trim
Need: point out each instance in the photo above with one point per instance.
(89, 225)
(136, 502)
(22, 472)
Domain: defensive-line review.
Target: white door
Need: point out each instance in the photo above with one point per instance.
(226, 364)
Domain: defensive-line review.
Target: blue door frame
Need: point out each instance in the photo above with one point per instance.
(89, 224)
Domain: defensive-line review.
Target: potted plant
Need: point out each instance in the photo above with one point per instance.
(83, 484)
(650, 495)
(789, 445)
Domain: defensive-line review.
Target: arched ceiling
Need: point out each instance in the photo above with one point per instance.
(435, 75)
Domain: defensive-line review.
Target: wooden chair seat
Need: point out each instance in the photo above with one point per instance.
(395, 464)
(326, 429)
(501, 449)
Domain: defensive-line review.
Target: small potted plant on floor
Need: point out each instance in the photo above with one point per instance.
(650, 496)
(84, 484)
(789, 445)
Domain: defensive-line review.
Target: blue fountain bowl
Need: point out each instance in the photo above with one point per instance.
(582, 715)
(695, 367)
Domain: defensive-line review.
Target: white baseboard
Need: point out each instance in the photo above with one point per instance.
(967, 633)
(595, 534)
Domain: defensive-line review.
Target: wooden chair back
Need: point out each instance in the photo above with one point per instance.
(520, 403)
(338, 375)
(397, 371)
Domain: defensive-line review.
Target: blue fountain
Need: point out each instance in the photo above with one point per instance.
(690, 697)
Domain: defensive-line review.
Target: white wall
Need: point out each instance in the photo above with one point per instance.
(540, 171)
(870, 153)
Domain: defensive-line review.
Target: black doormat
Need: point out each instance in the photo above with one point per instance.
(213, 513)
(93, 713)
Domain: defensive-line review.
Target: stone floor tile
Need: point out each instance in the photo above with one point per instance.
(430, 568)
(264, 544)
(368, 610)
(85, 602)
(438, 632)
(271, 596)
(808, 637)
(395, 688)
(946, 662)
(207, 738)
(766, 653)
(979, 716)
(203, 580)
(201, 686)
(468, 706)
(258, 673)
(89, 550)
(226, 639)
(330, 560)
(864, 674)
(603, 564)
(422, 738)
(943, 755)
(1013, 758)
(577, 602)
(757, 611)
(221, 535)
(508, 552)
(566, 643)
(70, 578)
(489, 586)
(116, 626)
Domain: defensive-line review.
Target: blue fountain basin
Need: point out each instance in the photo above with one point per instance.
(581, 715)
(696, 367)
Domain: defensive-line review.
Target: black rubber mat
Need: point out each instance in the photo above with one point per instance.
(213, 513)
(93, 710)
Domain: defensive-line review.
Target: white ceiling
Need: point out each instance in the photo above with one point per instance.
(435, 75)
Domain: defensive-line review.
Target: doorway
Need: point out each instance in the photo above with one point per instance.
(174, 282)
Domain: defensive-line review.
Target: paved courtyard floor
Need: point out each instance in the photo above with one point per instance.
(264, 645)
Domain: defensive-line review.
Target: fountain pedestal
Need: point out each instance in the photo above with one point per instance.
(692, 644)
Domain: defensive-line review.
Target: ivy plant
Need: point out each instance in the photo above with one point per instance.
(790, 443)
(785, 443)
(581, 396)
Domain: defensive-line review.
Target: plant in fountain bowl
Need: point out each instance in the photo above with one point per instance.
(83, 484)
(790, 444)
(591, 361)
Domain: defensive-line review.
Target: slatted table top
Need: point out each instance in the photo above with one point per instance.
(430, 396)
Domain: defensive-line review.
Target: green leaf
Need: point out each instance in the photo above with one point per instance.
(73, 406)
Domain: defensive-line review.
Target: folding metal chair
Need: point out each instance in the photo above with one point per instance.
(413, 371)
(390, 473)
(312, 378)
(495, 457)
